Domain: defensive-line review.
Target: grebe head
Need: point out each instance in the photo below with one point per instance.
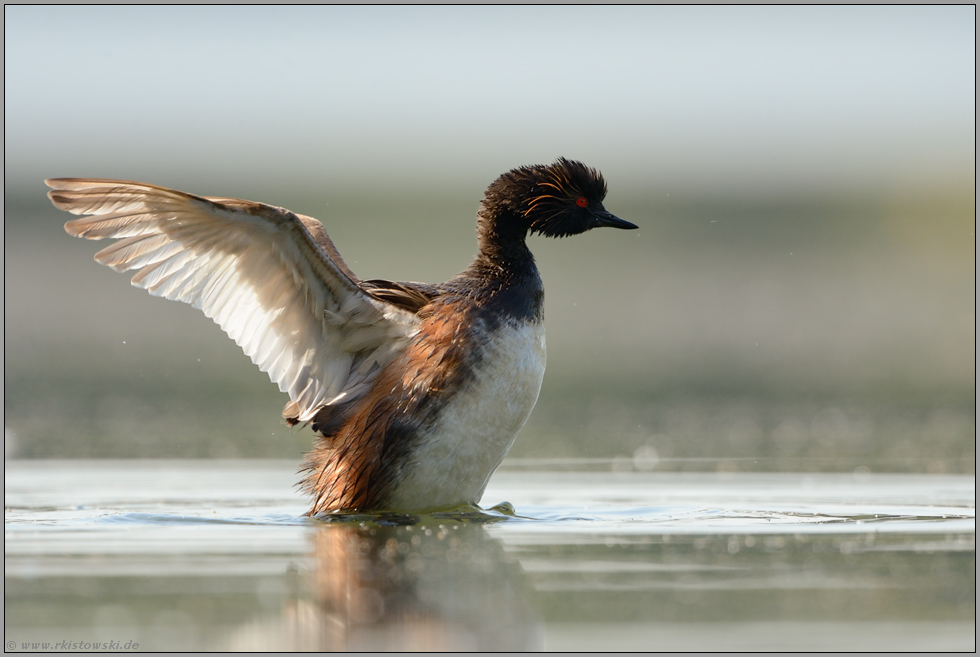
(556, 200)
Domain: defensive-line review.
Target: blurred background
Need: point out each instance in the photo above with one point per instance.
(801, 293)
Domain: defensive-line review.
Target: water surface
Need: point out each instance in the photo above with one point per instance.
(208, 554)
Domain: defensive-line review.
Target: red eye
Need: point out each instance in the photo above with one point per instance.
(582, 202)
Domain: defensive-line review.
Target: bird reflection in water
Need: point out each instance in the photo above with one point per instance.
(440, 585)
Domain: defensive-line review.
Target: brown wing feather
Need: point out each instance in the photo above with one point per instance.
(409, 296)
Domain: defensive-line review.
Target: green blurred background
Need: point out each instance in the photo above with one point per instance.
(801, 293)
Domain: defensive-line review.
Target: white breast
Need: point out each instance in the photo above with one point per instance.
(475, 430)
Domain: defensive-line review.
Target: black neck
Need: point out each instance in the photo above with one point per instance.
(503, 248)
(503, 276)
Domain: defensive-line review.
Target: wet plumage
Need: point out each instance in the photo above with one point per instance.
(416, 391)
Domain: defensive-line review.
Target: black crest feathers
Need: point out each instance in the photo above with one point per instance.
(553, 200)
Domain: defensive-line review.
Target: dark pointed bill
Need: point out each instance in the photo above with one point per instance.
(609, 220)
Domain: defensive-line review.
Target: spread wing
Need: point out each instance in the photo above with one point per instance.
(270, 278)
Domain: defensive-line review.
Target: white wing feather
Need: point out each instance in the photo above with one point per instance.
(285, 297)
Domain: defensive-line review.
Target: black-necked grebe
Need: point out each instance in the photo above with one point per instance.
(416, 391)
